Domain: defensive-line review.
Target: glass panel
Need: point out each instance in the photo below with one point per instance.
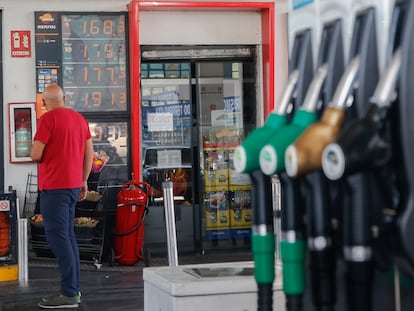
(111, 139)
(166, 135)
(166, 112)
(23, 131)
(224, 93)
(226, 110)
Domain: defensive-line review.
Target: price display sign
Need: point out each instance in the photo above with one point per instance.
(86, 53)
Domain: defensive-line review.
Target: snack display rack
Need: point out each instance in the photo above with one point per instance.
(89, 223)
(227, 202)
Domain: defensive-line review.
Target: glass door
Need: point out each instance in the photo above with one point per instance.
(193, 115)
(166, 121)
(227, 109)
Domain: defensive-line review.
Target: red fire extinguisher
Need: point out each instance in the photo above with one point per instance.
(23, 133)
(4, 234)
(132, 207)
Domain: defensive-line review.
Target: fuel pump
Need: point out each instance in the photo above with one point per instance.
(292, 240)
(292, 254)
(303, 157)
(246, 160)
(405, 149)
(322, 264)
(363, 150)
(370, 146)
(319, 230)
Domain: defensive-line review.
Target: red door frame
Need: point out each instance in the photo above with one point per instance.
(268, 52)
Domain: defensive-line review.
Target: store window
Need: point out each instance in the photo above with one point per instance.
(193, 114)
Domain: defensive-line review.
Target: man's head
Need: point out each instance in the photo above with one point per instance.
(53, 97)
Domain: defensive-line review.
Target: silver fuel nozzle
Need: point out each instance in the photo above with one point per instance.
(340, 97)
(384, 93)
(281, 109)
(312, 95)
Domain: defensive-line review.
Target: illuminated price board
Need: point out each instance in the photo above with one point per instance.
(94, 61)
(94, 50)
(95, 99)
(95, 75)
(88, 53)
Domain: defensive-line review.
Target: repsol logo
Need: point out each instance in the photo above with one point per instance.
(48, 27)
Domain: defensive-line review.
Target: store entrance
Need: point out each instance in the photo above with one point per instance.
(196, 107)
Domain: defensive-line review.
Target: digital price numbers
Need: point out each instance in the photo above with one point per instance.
(94, 62)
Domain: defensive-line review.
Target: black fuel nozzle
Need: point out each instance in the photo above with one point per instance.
(263, 239)
(362, 146)
(302, 158)
(358, 242)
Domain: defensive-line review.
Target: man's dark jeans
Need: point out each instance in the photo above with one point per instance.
(58, 210)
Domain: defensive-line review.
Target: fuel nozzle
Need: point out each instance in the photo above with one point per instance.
(263, 240)
(271, 157)
(304, 155)
(246, 160)
(361, 146)
(246, 156)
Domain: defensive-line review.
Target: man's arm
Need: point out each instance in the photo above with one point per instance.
(87, 160)
(36, 152)
(87, 166)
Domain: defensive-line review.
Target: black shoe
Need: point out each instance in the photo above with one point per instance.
(78, 297)
(59, 301)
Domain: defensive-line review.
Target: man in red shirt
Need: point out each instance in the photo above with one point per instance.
(63, 149)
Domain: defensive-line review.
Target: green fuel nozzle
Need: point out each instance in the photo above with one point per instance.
(246, 160)
(246, 156)
(293, 256)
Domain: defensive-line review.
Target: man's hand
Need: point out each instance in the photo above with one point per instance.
(83, 191)
(36, 151)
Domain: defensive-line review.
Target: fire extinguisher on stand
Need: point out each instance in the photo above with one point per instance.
(4, 234)
(132, 207)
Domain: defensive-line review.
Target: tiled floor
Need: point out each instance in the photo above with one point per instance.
(104, 289)
(121, 288)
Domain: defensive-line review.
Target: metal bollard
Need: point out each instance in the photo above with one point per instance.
(22, 250)
(169, 211)
(277, 206)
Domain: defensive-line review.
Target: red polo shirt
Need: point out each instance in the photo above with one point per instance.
(64, 132)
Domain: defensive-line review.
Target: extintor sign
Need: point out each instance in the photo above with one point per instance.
(20, 43)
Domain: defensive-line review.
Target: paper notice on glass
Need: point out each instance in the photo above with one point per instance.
(169, 158)
(160, 122)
